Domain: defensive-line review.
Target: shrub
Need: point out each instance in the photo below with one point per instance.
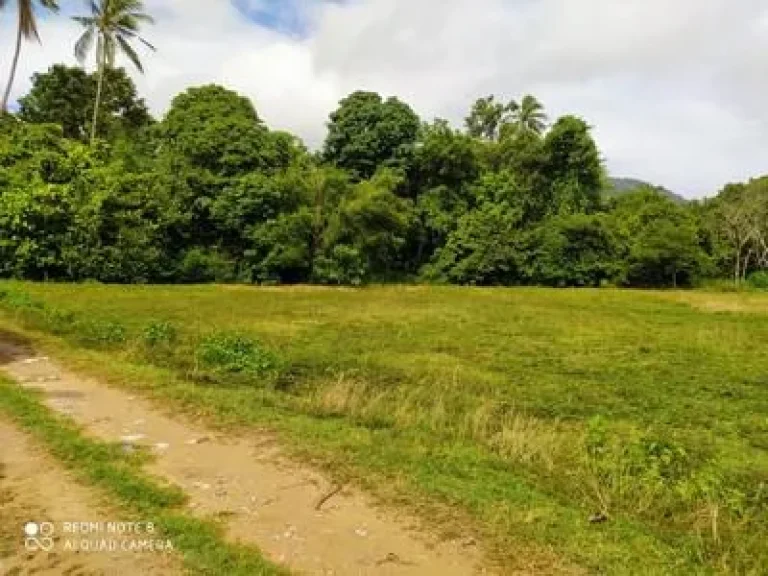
(235, 354)
(159, 334)
(59, 322)
(22, 302)
(100, 333)
(344, 265)
(758, 280)
(199, 266)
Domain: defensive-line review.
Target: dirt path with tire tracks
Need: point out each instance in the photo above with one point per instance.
(291, 512)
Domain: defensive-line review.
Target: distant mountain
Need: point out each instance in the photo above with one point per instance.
(627, 185)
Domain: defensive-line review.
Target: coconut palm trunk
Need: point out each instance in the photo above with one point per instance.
(14, 66)
(97, 103)
(27, 29)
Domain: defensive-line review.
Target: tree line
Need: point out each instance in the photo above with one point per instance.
(92, 187)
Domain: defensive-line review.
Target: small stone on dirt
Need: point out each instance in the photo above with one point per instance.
(361, 532)
(201, 440)
(132, 439)
(162, 446)
(201, 485)
(390, 558)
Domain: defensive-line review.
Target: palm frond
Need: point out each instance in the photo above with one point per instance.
(27, 21)
(117, 24)
(84, 44)
(84, 20)
(141, 17)
(147, 44)
(128, 50)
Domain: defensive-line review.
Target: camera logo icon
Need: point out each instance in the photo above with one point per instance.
(38, 536)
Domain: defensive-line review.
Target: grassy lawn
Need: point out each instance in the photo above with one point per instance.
(514, 413)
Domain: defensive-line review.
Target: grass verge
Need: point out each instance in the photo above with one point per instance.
(120, 477)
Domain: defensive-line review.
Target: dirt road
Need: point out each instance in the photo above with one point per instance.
(33, 488)
(291, 512)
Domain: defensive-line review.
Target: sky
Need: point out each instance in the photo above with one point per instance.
(675, 90)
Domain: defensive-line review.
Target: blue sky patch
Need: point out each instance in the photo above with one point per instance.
(286, 16)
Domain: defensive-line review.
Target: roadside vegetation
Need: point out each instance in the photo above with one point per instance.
(614, 428)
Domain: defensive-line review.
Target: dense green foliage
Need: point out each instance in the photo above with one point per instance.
(66, 96)
(210, 193)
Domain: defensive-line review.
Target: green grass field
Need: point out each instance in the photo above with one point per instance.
(515, 414)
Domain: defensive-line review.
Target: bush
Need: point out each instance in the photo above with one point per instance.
(344, 266)
(484, 250)
(235, 354)
(22, 302)
(159, 334)
(100, 333)
(199, 266)
(59, 322)
(758, 280)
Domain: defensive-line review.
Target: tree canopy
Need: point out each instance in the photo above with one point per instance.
(210, 193)
(368, 132)
(67, 95)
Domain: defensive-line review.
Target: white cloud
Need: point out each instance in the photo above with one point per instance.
(674, 89)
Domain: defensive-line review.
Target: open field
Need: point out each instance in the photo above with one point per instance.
(514, 415)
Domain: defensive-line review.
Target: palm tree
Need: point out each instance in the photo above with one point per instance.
(26, 29)
(113, 24)
(529, 115)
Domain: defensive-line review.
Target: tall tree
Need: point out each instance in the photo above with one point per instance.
(218, 130)
(743, 222)
(573, 167)
(529, 115)
(113, 24)
(66, 95)
(26, 28)
(489, 118)
(367, 133)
